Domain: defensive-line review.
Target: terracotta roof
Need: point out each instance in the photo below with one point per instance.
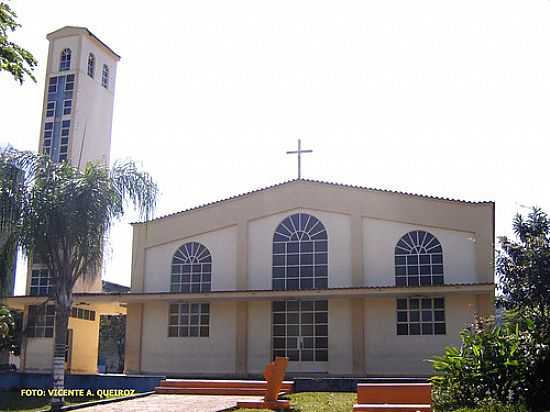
(318, 182)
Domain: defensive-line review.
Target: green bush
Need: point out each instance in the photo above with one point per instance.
(495, 365)
(490, 367)
(495, 408)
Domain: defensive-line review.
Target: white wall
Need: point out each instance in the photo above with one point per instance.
(93, 107)
(215, 354)
(380, 238)
(260, 239)
(38, 354)
(222, 245)
(71, 42)
(390, 355)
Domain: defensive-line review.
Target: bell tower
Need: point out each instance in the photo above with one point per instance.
(78, 97)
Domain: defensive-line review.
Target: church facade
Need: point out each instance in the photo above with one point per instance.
(345, 281)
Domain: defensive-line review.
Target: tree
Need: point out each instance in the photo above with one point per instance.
(509, 363)
(10, 331)
(65, 215)
(523, 267)
(13, 58)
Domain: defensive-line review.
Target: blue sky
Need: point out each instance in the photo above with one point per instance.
(439, 97)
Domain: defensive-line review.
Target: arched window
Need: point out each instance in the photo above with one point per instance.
(105, 76)
(65, 62)
(191, 268)
(418, 260)
(91, 65)
(300, 253)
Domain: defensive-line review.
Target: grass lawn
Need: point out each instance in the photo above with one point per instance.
(12, 401)
(317, 402)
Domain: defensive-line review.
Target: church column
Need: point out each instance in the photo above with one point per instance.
(134, 327)
(241, 331)
(241, 359)
(242, 255)
(357, 305)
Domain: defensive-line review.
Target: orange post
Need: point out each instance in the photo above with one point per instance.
(274, 374)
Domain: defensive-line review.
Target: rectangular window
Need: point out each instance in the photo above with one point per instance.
(52, 85)
(105, 76)
(189, 320)
(64, 146)
(41, 321)
(69, 83)
(421, 316)
(42, 284)
(48, 133)
(50, 109)
(67, 106)
(80, 313)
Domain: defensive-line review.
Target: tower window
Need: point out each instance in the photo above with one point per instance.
(65, 62)
(48, 133)
(42, 284)
(105, 76)
(50, 109)
(91, 65)
(52, 85)
(69, 84)
(67, 106)
(64, 146)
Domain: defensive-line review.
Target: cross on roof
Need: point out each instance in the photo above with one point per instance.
(299, 153)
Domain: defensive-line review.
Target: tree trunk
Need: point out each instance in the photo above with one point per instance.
(58, 367)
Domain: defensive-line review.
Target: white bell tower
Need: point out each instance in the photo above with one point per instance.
(78, 97)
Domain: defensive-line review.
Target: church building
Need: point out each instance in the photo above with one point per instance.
(343, 280)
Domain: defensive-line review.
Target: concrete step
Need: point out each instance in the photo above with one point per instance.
(220, 383)
(378, 407)
(210, 391)
(397, 394)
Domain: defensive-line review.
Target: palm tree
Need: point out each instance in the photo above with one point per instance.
(64, 215)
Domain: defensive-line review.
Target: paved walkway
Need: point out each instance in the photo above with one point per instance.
(172, 403)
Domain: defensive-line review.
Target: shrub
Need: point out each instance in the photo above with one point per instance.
(490, 367)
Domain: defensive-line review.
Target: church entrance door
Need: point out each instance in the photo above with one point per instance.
(300, 332)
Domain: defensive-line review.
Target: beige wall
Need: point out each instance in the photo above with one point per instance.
(392, 355)
(222, 244)
(381, 237)
(340, 354)
(195, 356)
(239, 234)
(260, 241)
(337, 206)
(259, 336)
